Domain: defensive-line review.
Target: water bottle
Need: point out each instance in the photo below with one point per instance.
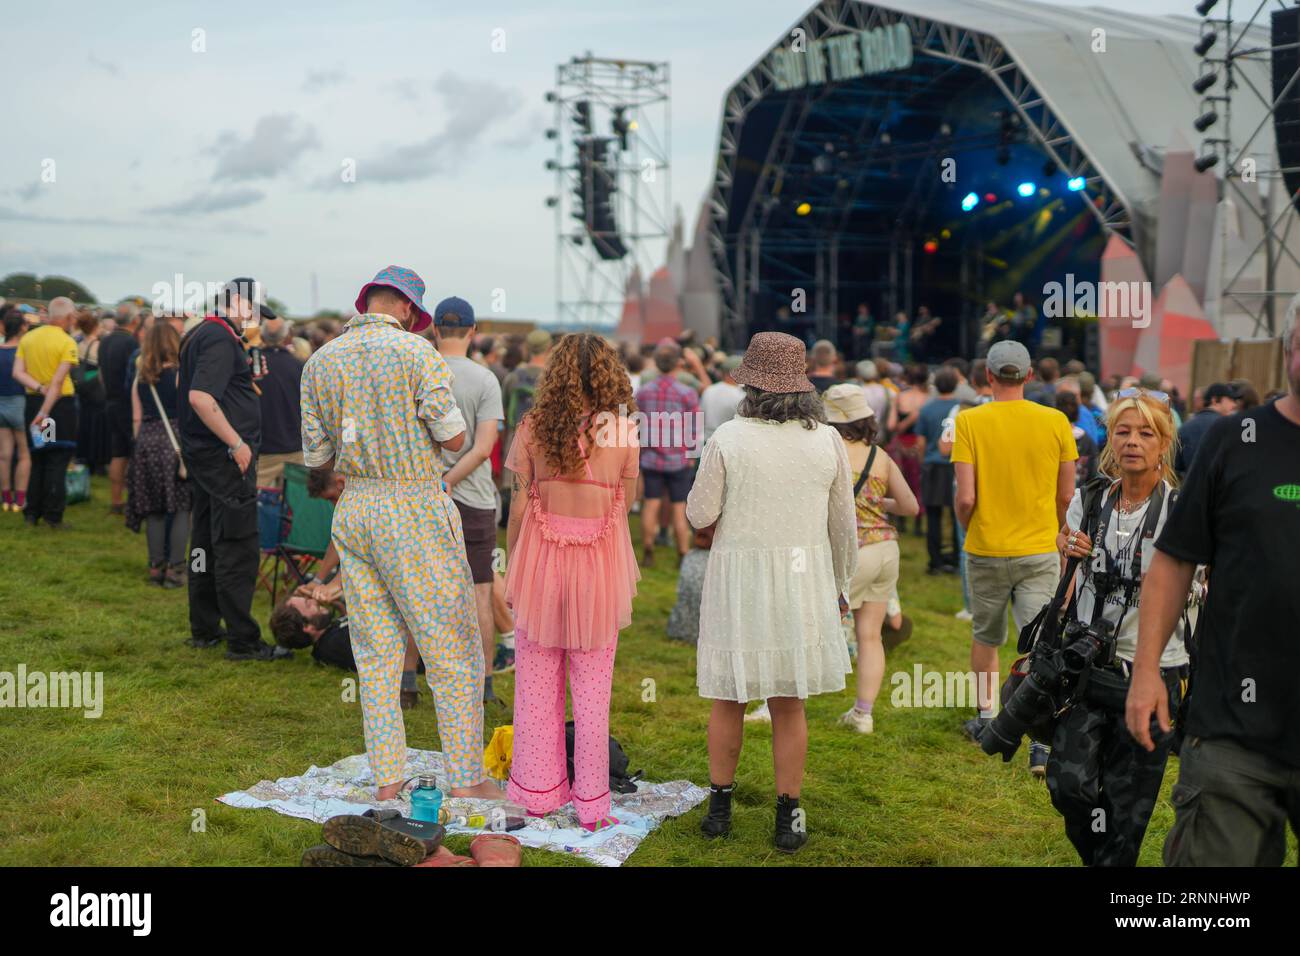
(38, 437)
(426, 800)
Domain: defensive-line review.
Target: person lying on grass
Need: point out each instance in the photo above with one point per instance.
(315, 616)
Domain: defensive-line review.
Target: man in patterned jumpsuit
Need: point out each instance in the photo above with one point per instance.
(377, 403)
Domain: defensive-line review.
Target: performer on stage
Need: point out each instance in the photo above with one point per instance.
(377, 404)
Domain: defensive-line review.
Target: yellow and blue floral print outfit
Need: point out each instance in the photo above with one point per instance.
(375, 400)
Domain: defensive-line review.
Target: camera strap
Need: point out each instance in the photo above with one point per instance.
(1133, 581)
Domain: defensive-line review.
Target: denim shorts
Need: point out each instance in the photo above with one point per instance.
(11, 411)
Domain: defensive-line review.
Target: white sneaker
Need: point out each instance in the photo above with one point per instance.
(862, 723)
(964, 615)
(759, 714)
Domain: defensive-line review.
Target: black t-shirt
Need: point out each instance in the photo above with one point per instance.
(114, 351)
(213, 360)
(335, 646)
(281, 411)
(1239, 512)
(823, 382)
(166, 387)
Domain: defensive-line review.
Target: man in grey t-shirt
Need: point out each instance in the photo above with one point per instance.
(469, 471)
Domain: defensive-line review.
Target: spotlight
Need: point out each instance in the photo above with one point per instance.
(1205, 121)
(552, 133)
(1205, 81)
(1026, 189)
(1207, 40)
(885, 139)
(945, 233)
(970, 202)
(1205, 162)
(552, 202)
(803, 209)
(930, 247)
(945, 130)
(551, 165)
(1076, 184)
(550, 97)
(1205, 6)
(990, 197)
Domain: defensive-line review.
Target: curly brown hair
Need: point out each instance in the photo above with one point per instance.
(584, 375)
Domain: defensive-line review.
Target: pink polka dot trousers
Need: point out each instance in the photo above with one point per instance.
(539, 777)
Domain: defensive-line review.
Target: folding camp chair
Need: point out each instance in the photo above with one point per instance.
(272, 527)
(308, 536)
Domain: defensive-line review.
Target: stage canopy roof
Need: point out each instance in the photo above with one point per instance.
(839, 133)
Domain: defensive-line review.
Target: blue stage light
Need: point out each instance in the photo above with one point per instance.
(1027, 189)
(1076, 184)
(970, 202)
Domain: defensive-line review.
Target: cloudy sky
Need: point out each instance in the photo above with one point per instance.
(227, 160)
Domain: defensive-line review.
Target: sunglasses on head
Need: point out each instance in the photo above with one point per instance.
(1162, 397)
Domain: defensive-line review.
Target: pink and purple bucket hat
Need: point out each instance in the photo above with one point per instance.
(406, 282)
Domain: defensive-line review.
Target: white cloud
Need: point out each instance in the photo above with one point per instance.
(277, 141)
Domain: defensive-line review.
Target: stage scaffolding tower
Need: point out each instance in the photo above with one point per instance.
(612, 193)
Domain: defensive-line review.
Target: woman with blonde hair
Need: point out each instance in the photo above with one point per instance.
(571, 574)
(1095, 763)
(157, 495)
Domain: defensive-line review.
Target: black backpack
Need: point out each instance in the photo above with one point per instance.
(619, 779)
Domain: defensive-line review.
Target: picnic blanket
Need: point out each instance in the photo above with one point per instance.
(348, 787)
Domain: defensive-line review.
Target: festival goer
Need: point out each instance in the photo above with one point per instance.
(572, 573)
(822, 360)
(115, 351)
(157, 496)
(220, 430)
(904, 445)
(43, 364)
(377, 406)
(1015, 477)
(468, 475)
(1239, 763)
(1095, 763)
(863, 332)
(878, 396)
(1216, 401)
(782, 559)
(879, 490)
(684, 618)
(1085, 466)
(670, 410)
(280, 395)
(15, 456)
(718, 402)
(937, 471)
(92, 432)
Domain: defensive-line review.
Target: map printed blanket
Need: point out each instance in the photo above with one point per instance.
(348, 787)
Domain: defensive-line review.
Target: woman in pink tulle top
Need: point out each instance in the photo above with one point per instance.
(571, 572)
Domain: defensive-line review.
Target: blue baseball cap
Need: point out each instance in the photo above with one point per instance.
(455, 312)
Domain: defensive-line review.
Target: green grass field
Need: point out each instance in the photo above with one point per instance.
(181, 726)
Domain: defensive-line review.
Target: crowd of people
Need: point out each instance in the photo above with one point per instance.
(783, 478)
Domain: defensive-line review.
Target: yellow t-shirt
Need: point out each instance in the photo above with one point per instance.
(43, 349)
(1017, 449)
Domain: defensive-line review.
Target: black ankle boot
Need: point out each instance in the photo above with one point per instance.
(717, 822)
(787, 838)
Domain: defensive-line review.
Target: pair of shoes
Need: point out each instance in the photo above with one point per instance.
(859, 721)
(717, 821)
(891, 636)
(203, 643)
(174, 577)
(504, 660)
(157, 574)
(487, 849)
(964, 615)
(759, 714)
(936, 569)
(409, 699)
(257, 652)
(1038, 754)
(974, 728)
(375, 839)
(791, 832)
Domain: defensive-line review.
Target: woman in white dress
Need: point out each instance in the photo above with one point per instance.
(776, 481)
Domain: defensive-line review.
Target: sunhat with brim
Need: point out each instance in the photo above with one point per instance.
(774, 362)
(846, 403)
(406, 282)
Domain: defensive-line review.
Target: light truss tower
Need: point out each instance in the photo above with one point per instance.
(612, 195)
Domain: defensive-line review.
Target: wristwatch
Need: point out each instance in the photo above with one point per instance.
(234, 448)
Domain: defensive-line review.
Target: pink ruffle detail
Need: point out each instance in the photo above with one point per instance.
(566, 540)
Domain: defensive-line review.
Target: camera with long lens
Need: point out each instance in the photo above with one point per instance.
(1055, 666)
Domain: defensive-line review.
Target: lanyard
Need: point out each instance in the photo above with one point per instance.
(225, 325)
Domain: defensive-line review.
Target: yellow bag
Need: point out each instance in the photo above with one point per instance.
(500, 752)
